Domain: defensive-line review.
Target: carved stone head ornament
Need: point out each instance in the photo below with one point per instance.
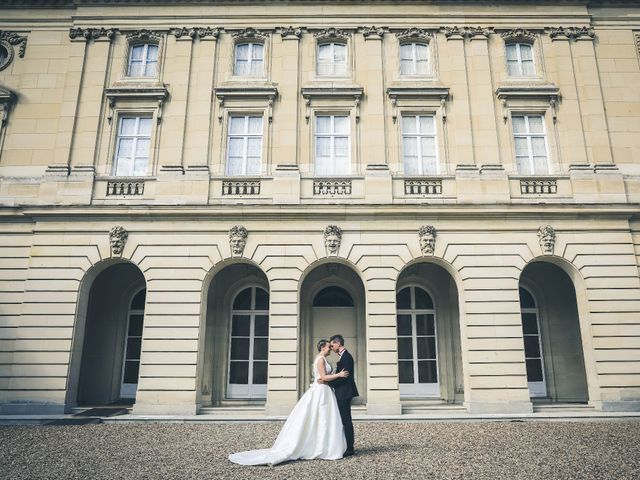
(238, 240)
(332, 239)
(547, 239)
(427, 238)
(117, 239)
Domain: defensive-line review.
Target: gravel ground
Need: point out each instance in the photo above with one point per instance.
(385, 450)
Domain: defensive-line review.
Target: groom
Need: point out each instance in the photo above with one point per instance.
(344, 389)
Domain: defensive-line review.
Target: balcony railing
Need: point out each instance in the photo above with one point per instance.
(331, 187)
(240, 187)
(423, 186)
(125, 188)
(539, 186)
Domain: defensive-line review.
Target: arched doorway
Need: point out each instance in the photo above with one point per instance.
(332, 302)
(107, 340)
(236, 336)
(428, 331)
(551, 332)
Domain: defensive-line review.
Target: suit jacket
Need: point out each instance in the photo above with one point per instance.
(345, 388)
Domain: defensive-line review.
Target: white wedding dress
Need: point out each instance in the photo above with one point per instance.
(313, 429)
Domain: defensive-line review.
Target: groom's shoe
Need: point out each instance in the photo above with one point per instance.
(348, 453)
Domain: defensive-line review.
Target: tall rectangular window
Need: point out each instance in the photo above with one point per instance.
(414, 59)
(530, 144)
(520, 60)
(244, 145)
(332, 59)
(143, 60)
(132, 146)
(419, 148)
(249, 60)
(332, 145)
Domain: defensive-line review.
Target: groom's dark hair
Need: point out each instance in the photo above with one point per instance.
(337, 338)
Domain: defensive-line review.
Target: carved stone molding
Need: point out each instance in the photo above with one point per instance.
(436, 94)
(7, 41)
(353, 93)
(196, 32)
(547, 239)
(427, 238)
(637, 36)
(414, 34)
(117, 240)
(332, 33)
(332, 239)
(548, 94)
(519, 35)
(92, 33)
(249, 33)
(291, 32)
(154, 93)
(7, 99)
(572, 33)
(456, 32)
(144, 35)
(238, 240)
(373, 33)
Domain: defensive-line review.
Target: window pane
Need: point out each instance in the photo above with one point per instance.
(127, 125)
(526, 300)
(425, 324)
(528, 68)
(262, 299)
(522, 146)
(412, 165)
(144, 126)
(259, 373)
(135, 325)
(138, 301)
(243, 300)
(540, 165)
(426, 347)
(124, 166)
(323, 124)
(323, 165)
(142, 148)
(429, 165)
(539, 148)
(536, 125)
(534, 370)
(131, 371)
(407, 67)
(125, 147)
(136, 52)
(427, 124)
(524, 166)
(410, 146)
(152, 53)
(254, 146)
(404, 324)
(341, 166)
(403, 298)
(242, 51)
(257, 51)
(427, 372)
(529, 323)
(260, 348)
(405, 372)
(236, 125)
(405, 348)
(324, 52)
(239, 348)
(234, 166)
(531, 347)
(518, 124)
(255, 125)
(428, 146)
(406, 51)
(423, 300)
(150, 69)
(408, 124)
(261, 326)
(140, 166)
(256, 68)
(511, 52)
(422, 52)
(341, 124)
(526, 52)
(253, 166)
(513, 68)
(240, 325)
(239, 373)
(133, 348)
(339, 53)
(341, 146)
(323, 146)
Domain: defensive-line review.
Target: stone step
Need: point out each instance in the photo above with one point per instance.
(562, 407)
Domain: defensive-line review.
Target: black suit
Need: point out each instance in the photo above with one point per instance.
(345, 389)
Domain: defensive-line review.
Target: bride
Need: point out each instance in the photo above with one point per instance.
(313, 429)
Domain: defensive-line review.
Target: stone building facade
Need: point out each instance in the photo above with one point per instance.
(193, 194)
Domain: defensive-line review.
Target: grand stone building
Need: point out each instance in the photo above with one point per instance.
(192, 194)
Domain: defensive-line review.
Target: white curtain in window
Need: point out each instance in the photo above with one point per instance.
(143, 60)
(249, 59)
(244, 145)
(132, 146)
(530, 144)
(419, 146)
(332, 59)
(332, 145)
(520, 59)
(414, 59)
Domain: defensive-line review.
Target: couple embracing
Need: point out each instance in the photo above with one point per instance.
(320, 424)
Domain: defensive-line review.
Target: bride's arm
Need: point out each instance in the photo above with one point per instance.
(327, 377)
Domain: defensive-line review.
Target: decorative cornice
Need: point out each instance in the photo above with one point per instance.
(354, 93)
(12, 38)
(519, 35)
(92, 33)
(546, 93)
(250, 33)
(637, 35)
(373, 33)
(332, 33)
(434, 93)
(195, 32)
(291, 32)
(267, 92)
(467, 32)
(414, 34)
(144, 35)
(572, 33)
(157, 93)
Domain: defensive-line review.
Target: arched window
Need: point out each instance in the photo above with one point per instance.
(143, 60)
(520, 60)
(133, 346)
(417, 343)
(249, 344)
(333, 297)
(414, 58)
(532, 345)
(332, 59)
(249, 59)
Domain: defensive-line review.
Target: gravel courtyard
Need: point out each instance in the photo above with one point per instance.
(385, 450)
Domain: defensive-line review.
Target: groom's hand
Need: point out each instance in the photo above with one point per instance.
(322, 382)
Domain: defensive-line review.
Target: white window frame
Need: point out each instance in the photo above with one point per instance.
(332, 135)
(419, 135)
(414, 59)
(245, 135)
(529, 136)
(536, 389)
(333, 73)
(250, 59)
(250, 390)
(145, 59)
(128, 390)
(519, 60)
(417, 389)
(135, 138)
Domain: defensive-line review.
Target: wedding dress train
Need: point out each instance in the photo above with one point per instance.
(313, 430)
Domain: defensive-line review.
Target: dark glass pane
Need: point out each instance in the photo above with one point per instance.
(138, 301)
(531, 347)
(240, 325)
(239, 373)
(405, 348)
(534, 371)
(404, 324)
(135, 325)
(243, 300)
(261, 327)
(423, 300)
(403, 298)
(260, 348)
(260, 373)
(131, 370)
(239, 348)
(425, 325)
(333, 297)
(526, 300)
(133, 348)
(529, 324)
(262, 299)
(405, 372)
(426, 347)
(427, 372)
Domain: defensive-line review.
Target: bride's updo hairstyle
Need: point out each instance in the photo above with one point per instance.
(322, 343)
